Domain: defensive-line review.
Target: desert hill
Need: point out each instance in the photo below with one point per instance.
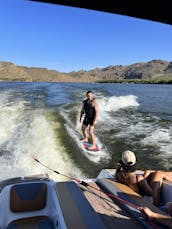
(154, 69)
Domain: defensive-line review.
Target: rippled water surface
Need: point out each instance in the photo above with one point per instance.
(42, 119)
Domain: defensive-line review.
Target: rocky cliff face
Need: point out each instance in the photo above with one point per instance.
(148, 70)
(142, 70)
(10, 71)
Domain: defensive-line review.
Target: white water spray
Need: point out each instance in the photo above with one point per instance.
(26, 132)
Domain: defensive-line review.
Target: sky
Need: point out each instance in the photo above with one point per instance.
(66, 39)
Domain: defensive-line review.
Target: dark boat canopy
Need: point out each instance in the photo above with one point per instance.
(159, 11)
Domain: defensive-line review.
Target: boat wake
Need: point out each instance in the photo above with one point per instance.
(71, 114)
(26, 131)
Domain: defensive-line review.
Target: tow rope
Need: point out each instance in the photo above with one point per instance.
(97, 189)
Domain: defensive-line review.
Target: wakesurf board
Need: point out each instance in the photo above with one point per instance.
(87, 145)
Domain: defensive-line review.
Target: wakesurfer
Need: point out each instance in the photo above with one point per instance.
(90, 110)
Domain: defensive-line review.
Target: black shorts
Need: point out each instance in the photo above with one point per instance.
(88, 121)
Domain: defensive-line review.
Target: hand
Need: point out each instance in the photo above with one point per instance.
(147, 212)
(95, 122)
(118, 166)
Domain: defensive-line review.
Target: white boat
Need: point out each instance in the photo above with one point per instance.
(40, 202)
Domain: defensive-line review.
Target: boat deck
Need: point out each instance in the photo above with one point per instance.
(102, 203)
(114, 213)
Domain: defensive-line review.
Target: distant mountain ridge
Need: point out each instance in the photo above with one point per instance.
(142, 71)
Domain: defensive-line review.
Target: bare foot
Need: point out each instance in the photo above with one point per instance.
(92, 147)
(83, 140)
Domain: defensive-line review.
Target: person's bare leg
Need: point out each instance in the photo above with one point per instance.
(144, 185)
(93, 138)
(85, 134)
(148, 173)
(156, 183)
(156, 188)
(167, 176)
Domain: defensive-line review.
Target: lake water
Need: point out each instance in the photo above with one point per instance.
(42, 119)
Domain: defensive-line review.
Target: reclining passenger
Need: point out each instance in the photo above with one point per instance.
(149, 183)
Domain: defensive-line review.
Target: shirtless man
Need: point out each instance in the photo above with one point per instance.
(90, 110)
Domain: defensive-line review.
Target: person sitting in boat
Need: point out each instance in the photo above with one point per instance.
(165, 220)
(149, 183)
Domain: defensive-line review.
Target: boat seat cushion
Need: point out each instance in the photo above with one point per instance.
(28, 197)
(77, 211)
(38, 222)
